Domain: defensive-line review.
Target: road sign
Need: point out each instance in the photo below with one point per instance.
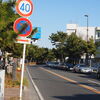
(37, 35)
(25, 24)
(23, 40)
(24, 7)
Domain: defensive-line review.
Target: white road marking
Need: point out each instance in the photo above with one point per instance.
(36, 88)
(94, 82)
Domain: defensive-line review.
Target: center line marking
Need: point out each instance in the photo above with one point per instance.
(73, 81)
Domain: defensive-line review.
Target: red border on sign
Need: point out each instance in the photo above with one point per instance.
(24, 19)
(18, 11)
(22, 40)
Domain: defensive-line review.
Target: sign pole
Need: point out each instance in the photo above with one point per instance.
(22, 72)
(24, 8)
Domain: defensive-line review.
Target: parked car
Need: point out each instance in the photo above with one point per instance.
(50, 64)
(82, 68)
(61, 66)
(69, 66)
(95, 68)
(53, 64)
(56, 64)
(98, 72)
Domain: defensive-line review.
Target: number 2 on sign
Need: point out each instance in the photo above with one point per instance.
(25, 7)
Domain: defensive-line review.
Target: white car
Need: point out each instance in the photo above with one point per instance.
(82, 68)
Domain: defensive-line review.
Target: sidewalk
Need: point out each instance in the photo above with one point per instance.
(11, 93)
(29, 92)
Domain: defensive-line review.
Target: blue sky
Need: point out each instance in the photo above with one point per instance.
(53, 15)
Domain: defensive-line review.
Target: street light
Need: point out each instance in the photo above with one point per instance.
(87, 40)
(87, 26)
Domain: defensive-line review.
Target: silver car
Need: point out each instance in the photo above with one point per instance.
(82, 68)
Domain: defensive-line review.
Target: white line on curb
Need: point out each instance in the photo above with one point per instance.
(36, 88)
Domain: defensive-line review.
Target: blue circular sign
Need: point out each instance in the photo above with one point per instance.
(23, 26)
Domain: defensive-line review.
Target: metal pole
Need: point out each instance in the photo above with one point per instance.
(87, 26)
(87, 39)
(22, 72)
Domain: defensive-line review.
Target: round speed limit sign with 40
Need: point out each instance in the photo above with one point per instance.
(24, 7)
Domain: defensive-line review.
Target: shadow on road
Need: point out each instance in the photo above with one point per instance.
(79, 97)
(91, 76)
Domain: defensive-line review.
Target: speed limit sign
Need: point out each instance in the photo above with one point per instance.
(24, 7)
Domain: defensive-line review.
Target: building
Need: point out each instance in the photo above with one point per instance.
(93, 32)
(97, 34)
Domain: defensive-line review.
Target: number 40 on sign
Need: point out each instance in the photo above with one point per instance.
(24, 7)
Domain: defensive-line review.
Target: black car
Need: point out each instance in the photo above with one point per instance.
(98, 72)
(69, 66)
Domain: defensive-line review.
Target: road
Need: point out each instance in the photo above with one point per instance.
(53, 84)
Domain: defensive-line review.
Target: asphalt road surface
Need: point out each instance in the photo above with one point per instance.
(53, 84)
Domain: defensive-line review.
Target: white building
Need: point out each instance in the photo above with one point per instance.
(93, 32)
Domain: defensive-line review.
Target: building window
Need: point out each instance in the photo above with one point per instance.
(98, 33)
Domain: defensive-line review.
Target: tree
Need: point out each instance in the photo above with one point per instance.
(56, 53)
(97, 44)
(50, 55)
(90, 49)
(7, 35)
(39, 55)
(31, 52)
(75, 47)
(58, 39)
